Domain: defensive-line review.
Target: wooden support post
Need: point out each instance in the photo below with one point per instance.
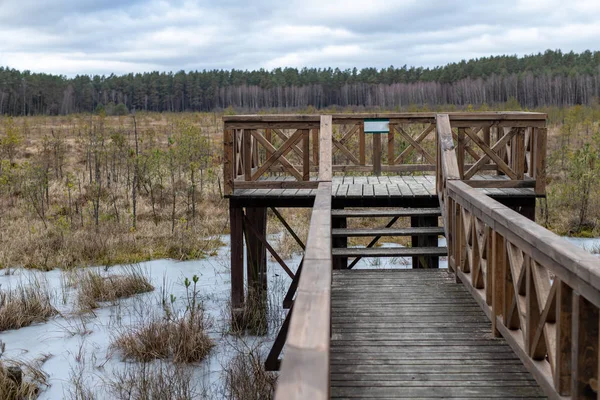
(305, 155)
(376, 154)
(424, 241)
(236, 216)
(539, 166)
(256, 265)
(339, 242)
(498, 265)
(562, 365)
(584, 350)
(390, 145)
(361, 143)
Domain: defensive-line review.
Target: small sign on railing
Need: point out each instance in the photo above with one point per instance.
(377, 125)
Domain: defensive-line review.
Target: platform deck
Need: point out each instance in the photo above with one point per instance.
(349, 191)
(417, 334)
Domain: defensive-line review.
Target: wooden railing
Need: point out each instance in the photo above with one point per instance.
(259, 149)
(305, 368)
(541, 293)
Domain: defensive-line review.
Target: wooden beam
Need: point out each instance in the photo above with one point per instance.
(305, 368)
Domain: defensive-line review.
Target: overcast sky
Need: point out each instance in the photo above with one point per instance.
(119, 36)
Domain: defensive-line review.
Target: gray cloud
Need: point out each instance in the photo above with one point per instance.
(91, 36)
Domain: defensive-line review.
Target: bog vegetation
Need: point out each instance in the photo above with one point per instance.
(92, 189)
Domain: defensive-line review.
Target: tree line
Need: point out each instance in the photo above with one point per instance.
(549, 78)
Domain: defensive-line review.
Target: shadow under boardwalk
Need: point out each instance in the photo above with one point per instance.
(417, 334)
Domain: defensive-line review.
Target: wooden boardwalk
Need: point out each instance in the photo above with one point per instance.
(417, 334)
(517, 313)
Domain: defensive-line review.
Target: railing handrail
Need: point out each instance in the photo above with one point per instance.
(571, 264)
(305, 368)
(340, 117)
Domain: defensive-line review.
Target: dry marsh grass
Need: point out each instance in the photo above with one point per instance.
(94, 288)
(26, 386)
(181, 337)
(146, 381)
(246, 378)
(24, 305)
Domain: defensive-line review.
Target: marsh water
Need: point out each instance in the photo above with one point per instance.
(75, 346)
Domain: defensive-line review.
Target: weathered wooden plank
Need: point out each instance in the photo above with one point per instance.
(390, 252)
(388, 232)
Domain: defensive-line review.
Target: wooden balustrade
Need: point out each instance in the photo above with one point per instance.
(541, 293)
(275, 151)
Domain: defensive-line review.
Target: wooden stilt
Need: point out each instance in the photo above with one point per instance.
(237, 263)
(339, 242)
(424, 241)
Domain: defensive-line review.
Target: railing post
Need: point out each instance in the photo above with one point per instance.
(325, 170)
(539, 138)
(376, 154)
(498, 270)
(564, 337)
(228, 161)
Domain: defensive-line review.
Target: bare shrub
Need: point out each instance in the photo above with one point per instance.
(182, 337)
(93, 288)
(25, 305)
(246, 377)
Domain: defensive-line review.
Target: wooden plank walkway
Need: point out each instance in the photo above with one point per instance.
(394, 187)
(417, 334)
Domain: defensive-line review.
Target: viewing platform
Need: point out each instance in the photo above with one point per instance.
(515, 313)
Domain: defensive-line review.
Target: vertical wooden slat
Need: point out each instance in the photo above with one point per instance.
(460, 156)
(306, 155)
(499, 267)
(390, 145)
(269, 138)
(540, 137)
(458, 240)
(228, 162)
(361, 143)
(376, 154)
(489, 276)
(584, 350)
(315, 143)
(487, 139)
(562, 365)
(247, 154)
(519, 154)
